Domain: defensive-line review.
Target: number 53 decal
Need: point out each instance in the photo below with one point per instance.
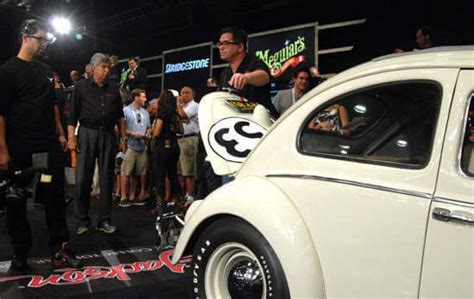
(233, 138)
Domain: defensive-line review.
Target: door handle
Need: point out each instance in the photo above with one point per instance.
(446, 215)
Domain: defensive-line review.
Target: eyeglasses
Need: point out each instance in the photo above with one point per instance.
(41, 39)
(226, 43)
(139, 118)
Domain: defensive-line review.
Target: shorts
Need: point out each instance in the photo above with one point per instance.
(188, 147)
(135, 163)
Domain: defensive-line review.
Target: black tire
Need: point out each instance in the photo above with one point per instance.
(233, 234)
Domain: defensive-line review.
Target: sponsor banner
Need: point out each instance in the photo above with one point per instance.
(190, 66)
(282, 52)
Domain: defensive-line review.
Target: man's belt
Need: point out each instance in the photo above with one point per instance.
(98, 127)
(187, 135)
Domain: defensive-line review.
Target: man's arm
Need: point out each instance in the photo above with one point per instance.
(123, 134)
(7, 93)
(59, 128)
(255, 78)
(180, 108)
(73, 118)
(4, 155)
(121, 124)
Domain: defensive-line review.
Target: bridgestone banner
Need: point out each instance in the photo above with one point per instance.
(187, 67)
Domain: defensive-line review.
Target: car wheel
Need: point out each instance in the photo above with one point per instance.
(232, 259)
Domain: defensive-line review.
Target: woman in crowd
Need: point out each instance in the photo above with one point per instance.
(165, 146)
(333, 118)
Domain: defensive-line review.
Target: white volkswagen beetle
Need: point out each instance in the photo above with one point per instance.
(363, 189)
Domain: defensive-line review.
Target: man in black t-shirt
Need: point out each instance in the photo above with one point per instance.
(246, 73)
(30, 123)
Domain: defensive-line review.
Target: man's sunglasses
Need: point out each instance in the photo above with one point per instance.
(43, 39)
(226, 43)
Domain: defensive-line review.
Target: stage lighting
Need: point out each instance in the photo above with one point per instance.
(61, 25)
(78, 36)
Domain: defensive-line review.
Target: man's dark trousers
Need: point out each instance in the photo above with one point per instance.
(94, 144)
(53, 201)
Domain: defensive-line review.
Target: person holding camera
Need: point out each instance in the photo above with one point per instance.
(30, 123)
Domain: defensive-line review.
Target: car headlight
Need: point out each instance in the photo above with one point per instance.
(191, 210)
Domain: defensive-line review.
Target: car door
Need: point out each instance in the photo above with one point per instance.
(448, 263)
(366, 200)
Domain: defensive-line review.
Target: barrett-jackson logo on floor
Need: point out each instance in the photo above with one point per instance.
(119, 272)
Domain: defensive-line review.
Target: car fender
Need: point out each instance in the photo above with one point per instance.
(259, 202)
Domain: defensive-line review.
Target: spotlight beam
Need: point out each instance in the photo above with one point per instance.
(61, 25)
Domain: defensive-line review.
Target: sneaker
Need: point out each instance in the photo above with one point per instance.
(106, 227)
(189, 198)
(19, 262)
(125, 203)
(65, 258)
(82, 230)
(137, 202)
(116, 197)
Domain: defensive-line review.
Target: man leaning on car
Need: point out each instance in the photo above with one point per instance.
(246, 73)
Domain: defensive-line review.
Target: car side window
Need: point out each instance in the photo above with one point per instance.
(390, 124)
(467, 155)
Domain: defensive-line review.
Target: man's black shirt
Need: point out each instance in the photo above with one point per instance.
(27, 100)
(96, 107)
(138, 82)
(258, 94)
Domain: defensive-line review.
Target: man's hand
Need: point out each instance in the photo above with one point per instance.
(180, 101)
(72, 143)
(63, 142)
(136, 135)
(123, 146)
(238, 81)
(4, 157)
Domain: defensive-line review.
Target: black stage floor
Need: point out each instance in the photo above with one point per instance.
(121, 265)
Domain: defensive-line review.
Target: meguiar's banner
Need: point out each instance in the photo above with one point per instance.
(283, 51)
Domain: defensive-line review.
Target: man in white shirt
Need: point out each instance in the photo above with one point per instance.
(188, 142)
(285, 98)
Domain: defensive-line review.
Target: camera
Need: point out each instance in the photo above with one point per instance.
(15, 185)
(119, 159)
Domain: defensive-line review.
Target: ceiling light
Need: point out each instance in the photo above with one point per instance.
(61, 25)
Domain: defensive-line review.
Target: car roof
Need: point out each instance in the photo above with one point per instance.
(438, 57)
